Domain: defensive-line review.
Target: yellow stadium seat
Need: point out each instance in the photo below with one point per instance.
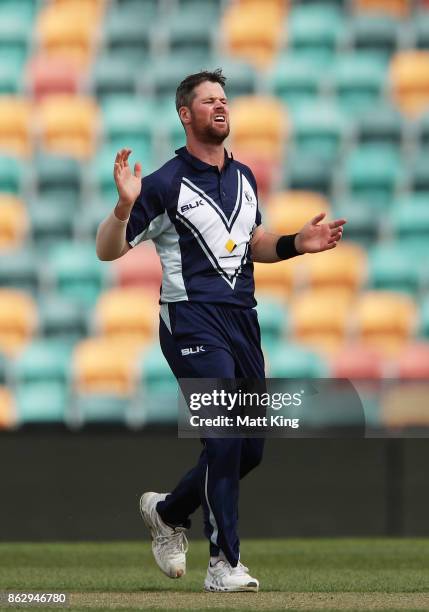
(274, 279)
(288, 211)
(15, 127)
(13, 222)
(68, 125)
(405, 405)
(409, 76)
(385, 320)
(320, 320)
(68, 29)
(252, 31)
(18, 320)
(395, 8)
(7, 409)
(102, 365)
(259, 124)
(339, 271)
(127, 313)
(88, 6)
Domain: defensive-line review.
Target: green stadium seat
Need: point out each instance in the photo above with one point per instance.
(410, 222)
(241, 77)
(11, 174)
(15, 35)
(315, 31)
(295, 361)
(418, 175)
(319, 129)
(73, 271)
(357, 80)
(424, 317)
(99, 409)
(377, 34)
(90, 217)
(380, 125)
(272, 316)
(138, 9)
(191, 38)
(161, 77)
(174, 133)
(128, 123)
(19, 269)
(393, 267)
(295, 80)
(190, 7)
(41, 404)
(420, 30)
(3, 368)
(308, 172)
(23, 9)
(127, 35)
(113, 76)
(363, 222)
(372, 174)
(62, 319)
(423, 130)
(58, 179)
(158, 394)
(10, 77)
(50, 222)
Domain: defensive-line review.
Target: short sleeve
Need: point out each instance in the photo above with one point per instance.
(147, 217)
(258, 218)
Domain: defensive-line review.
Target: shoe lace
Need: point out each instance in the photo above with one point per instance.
(176, 541)
(240, 569)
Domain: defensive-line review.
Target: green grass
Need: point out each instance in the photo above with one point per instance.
(285, 568)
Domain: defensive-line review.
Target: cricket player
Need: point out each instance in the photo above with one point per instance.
(201, 211)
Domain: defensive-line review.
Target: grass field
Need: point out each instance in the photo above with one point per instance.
(338, 574)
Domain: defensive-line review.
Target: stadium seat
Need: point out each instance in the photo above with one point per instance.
(288, 211)
(140, 267)
(357, 80)
(290, 360)
(50, 222)
(62, 319)
(252, 32)
(372, 174)
(363, 222)
(340, 271)
(260, 123)
(410, 222)
(19, 269)
(319, 129)
(128, 123)
(15, 36)
(423, 131)
(105, 367)
(409, 77)
(57, 179)
(319, 319)
(18, 320)
(10, 78)
(113, 76)
(381, 125)
(40, 376)
(144, 10)
(242, 78)
(274, 280)
(3, 368)
(295, 80)
(385, 320)
(68, 31)
(162, 76)
(272, 317)
(378, 34)
(15, 126)
(7, 409)
(73, 271)
(420, 30)
(413, 362)
(306, 172)
(211, 7)
(47, 75)
(158, 390)
(11, 175)
(127, 36)
(394, 267)
(13, 222)
(418, 176)
(191, 37)
(68, 125)
(315, 31)
(357, 361)
(126, 313)
(395, 8)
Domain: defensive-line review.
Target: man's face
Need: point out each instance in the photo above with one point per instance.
(208, 116)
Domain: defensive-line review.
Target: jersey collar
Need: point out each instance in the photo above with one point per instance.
(198, 164)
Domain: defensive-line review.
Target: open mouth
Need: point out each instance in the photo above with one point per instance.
(220, 119)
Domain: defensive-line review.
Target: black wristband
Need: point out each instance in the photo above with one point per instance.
(285, 247)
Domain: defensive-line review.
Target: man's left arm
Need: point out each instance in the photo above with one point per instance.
(314, 237)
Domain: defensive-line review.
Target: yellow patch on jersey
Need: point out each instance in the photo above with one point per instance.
(230, 245)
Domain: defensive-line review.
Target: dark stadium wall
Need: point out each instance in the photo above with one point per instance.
(86, 486)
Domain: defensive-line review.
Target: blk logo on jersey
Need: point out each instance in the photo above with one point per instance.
(193, 350)
(191, 205)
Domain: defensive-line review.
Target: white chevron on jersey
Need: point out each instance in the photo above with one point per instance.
(213, 230)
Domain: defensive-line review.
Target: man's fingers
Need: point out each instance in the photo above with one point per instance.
(138, 169)
(337, 223)
(315, 220)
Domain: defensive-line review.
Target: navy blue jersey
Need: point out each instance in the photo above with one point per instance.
(201, 221)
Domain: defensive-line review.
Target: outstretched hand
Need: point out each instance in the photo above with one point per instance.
(128, 183)
(315, 236)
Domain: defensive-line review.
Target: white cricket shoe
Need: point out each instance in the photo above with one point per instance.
(169, 544)
(221, 577)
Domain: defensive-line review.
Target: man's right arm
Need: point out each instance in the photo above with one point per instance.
(111, 241)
